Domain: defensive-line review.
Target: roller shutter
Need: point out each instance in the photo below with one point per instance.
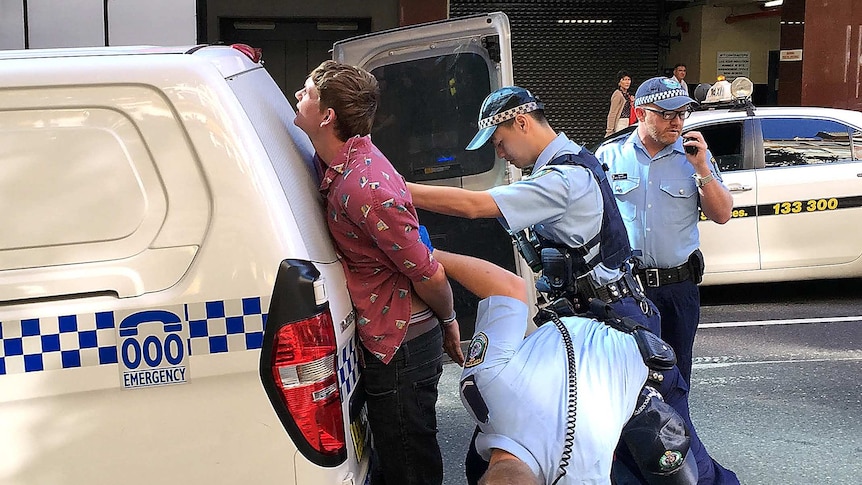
(568, 53)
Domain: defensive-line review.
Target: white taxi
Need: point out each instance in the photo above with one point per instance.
(796, 178)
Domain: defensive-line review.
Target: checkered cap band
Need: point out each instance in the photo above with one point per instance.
(508, 114)
(652, 98)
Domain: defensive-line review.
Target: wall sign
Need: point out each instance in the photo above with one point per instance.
(733, 64)
(791, 55)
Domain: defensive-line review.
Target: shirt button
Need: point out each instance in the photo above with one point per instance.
(647, 229)
(649, 206)
(681, 191)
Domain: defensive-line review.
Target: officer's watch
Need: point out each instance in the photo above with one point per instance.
(701, 181)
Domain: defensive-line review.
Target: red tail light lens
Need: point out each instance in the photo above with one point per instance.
(252, 53)
(304, 370)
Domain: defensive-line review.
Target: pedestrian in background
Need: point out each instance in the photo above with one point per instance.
(622, 110)
(679, 71)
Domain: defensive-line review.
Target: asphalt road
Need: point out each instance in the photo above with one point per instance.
(776, 392)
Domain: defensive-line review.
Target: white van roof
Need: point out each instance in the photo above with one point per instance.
(229, 61)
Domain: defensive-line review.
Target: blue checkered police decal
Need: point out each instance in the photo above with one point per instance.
(64, 342)
(71, 341)
(348, 368)
(226, 326)
(86, 340)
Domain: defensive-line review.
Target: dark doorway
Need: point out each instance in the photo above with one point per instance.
(772, 79)
(291, 47)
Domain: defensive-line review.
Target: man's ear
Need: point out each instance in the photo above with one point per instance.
(521, 122)
(330, 116)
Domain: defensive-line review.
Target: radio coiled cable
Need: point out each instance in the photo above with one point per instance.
(572, 406)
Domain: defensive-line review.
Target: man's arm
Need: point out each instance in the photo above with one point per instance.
(454, 201)
(715, 200)
(437, 294)
(482, 278)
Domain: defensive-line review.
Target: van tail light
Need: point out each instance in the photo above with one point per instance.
(304, 369)
(298, 364)
(253, 53)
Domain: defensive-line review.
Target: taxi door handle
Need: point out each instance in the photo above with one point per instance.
(738, 188)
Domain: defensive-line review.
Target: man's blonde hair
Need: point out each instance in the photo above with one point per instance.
(351, 92)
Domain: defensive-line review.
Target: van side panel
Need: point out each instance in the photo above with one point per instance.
(68, 411)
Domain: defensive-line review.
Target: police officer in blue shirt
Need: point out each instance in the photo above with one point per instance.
(563, 201)
(568, 204)
(660, 181)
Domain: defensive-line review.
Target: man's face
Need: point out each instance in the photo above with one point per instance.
(510, 143)
(308, 113)
(679, 72)
(664, 132)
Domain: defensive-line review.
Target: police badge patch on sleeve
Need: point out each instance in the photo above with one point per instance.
(476, 351)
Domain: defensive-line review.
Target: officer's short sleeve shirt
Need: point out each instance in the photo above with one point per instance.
(517, 390)
(562, 202)
(657, 197)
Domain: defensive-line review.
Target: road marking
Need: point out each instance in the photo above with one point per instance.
(756, 323)
(715, 365)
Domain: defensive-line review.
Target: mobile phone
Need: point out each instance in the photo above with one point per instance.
(691, 150)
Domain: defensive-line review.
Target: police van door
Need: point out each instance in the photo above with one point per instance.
(433, 79)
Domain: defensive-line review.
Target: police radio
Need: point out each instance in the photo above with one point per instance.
(528, 246)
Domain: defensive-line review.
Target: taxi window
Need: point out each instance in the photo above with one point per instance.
(802, 141)
(427, 115)
(725, 143)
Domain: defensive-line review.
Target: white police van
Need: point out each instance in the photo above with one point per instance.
(172, 309)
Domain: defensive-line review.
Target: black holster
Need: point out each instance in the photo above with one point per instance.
(656, 353)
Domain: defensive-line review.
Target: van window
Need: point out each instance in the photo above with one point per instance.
(86, 176)
(49, 189)
(428, 113)
(72, 177)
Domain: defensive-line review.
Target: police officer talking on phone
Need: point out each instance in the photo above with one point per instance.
(583, 249)
(660, 181)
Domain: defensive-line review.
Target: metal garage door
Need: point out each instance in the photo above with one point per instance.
(568, 53)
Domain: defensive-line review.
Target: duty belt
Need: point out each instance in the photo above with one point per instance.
(655, 277)
(611, 292)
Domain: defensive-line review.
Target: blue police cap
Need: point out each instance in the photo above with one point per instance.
(502, 105)
(664, 92)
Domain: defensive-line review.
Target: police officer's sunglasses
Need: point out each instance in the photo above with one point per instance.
(669, 114)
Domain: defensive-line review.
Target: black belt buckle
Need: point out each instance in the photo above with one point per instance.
(652, 278)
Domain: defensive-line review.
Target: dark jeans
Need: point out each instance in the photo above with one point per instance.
(401, 412)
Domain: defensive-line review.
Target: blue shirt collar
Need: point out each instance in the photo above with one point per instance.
(554, 148)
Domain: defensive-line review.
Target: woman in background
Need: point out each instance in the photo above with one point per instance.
(621, 105)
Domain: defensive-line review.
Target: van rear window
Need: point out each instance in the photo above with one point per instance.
(428, 113)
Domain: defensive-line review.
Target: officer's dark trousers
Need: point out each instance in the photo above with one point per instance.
(401, 399)
(674, 389)
(679, 305)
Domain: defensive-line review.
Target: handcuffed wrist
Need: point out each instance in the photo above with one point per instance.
(450, 320)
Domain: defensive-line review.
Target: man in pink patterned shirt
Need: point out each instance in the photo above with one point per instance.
(401, 294)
